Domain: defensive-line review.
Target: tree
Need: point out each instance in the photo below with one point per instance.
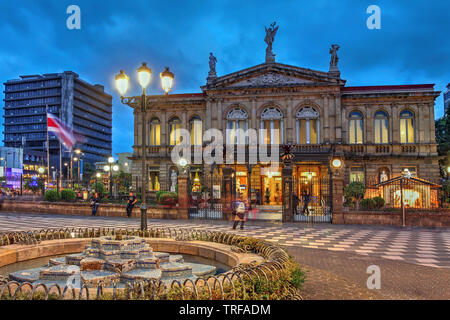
(357, 190)
(442, 128)
(88, 172)
(124, 180)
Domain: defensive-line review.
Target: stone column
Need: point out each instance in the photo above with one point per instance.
(227, 193)
(288, 209)
(337, 194)
(431, 119)
(208, 114)
(326, 120)
(339, 114)
(290, 124)
(254, 120)
(183, 199)
(219, 114)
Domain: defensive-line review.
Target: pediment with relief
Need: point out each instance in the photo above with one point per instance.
(271, 75)
(269, 79)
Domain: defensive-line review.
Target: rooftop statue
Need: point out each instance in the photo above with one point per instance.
(212, 75)
(212, 63)
(334, 57)
(270, 37)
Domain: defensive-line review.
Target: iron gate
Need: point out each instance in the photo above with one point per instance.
(205, 202)
(315, 200)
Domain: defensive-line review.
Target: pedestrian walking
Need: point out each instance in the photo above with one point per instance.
(305, 200)
(95, 202)
(239, 213)
(131, 202)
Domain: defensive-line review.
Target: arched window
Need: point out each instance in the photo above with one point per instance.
(174, 131)
(237, 124)
(272, 126)
(307, 126)
(196, 131)
(406, 127)
(355, 128)
(155, 136)
(381, 127)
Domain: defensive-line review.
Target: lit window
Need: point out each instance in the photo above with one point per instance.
(355, 128)
(307, 129)
(356, 174)
(174, 131)
(406, 127)
(411, 170)
(196, 131)
(381, 127)
(155, 128)
(272, 126)
(237, 126)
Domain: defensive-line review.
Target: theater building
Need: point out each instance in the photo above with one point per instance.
(377, 131)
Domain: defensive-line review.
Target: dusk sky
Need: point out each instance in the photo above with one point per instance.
(412, 46)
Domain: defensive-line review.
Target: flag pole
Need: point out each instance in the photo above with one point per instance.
(48, 148)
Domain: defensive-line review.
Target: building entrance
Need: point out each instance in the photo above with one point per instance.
(271, 187)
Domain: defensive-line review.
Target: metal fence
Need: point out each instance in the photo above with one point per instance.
(314, 195)
(416, 193)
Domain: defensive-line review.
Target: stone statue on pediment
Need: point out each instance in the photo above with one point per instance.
(334, 60)
(269, 39)
(212, 63)
(212, 75)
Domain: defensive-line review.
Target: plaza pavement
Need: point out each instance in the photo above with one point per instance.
(414, 262)
(420, 246)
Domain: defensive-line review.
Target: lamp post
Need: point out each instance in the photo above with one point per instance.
(406, 174)
(97, 176)
(144, 77)
(110, 168)
(78, 152)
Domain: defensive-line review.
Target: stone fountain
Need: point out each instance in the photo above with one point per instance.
(118, 259)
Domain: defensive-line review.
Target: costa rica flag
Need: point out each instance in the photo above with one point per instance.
(64, 133)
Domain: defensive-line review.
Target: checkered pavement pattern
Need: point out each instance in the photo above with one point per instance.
(428, 247)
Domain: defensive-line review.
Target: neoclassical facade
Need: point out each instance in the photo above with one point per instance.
(376, 130)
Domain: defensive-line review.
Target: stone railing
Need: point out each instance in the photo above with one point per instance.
(84, 209)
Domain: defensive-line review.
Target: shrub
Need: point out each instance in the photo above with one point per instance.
(68, 195)
(367, 204)
(356, 190)
(51, 195)
(379, 202)
(99, 188)
(166, 197)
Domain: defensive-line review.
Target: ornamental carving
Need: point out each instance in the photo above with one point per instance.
(270, 78)
(271, 113)
(237, 114)
(307, 112)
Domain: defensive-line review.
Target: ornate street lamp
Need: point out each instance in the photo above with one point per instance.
(166, 80)
(144, 78)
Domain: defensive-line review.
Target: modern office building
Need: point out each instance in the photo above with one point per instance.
(85, 108)
(447, 98)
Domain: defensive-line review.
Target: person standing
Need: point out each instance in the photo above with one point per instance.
(267, 194)
(95, 202)
(240, 211)
(305, 200)
(295, 201)
(131, 202)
